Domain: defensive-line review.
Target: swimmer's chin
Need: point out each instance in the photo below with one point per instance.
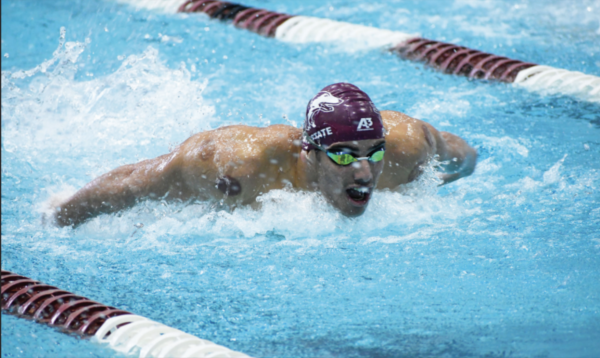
(255, 205)
(353, 210)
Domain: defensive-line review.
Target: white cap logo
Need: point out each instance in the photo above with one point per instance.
(365, 124)
(323, 102)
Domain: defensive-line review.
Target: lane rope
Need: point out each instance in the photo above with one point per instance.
(305, 29)
(446, 57)
(120, 330)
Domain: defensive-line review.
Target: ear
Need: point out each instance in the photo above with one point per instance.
(309, 158)
(311, 164)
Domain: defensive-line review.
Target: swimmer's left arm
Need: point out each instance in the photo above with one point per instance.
(411, 142)
(458, 157)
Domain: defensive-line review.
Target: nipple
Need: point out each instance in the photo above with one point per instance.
(229, 186)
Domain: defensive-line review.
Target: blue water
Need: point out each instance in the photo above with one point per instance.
(505, 263)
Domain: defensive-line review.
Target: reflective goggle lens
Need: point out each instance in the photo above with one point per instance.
(342, 158)
(377, 156)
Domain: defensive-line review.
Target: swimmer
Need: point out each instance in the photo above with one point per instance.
(345, 151)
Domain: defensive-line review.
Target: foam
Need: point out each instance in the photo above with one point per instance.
(290, 215)
(140, 110)
(439, 109)
(550, 177)
(506, 144)
(57, 197)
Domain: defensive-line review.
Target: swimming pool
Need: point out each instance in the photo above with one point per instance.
(503, 263)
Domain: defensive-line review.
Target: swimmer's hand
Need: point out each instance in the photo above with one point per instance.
(48, 208)
(449, 178)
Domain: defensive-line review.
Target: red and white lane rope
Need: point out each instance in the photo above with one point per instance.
(120, 330)
(446, 57)
(460, 60)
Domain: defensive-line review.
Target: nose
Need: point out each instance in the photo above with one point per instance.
(363, 174)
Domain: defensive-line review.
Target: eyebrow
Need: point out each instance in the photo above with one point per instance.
(378, 145)
(342, 147)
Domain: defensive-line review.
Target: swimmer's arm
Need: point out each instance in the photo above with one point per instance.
(119, 189)
(458, 157)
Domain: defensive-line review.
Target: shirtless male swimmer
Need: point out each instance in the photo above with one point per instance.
(340, 153)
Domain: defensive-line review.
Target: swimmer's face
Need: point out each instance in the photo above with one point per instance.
(349, 188)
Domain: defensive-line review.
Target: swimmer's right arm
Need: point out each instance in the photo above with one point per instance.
(121, 188)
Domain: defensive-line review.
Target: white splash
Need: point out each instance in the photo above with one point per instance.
(142, 109)
(439, 109)
(505, 144)
(552, 175)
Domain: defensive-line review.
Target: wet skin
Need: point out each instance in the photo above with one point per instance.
(236, 164)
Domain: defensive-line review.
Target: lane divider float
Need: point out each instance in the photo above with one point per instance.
(460, 60)
(119, 329)
(446, 57)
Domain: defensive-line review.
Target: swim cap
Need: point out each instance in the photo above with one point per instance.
(341, 112)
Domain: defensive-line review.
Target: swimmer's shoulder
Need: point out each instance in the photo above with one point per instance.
(281, 136)
(409, 144)
(212, 140)
(409, 134)
(269, 135)
(398, 122)
(242, 142)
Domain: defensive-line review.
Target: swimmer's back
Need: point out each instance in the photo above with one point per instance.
(259, 159)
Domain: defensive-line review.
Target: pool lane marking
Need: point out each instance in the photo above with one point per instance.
(121, 330)
(448, 58)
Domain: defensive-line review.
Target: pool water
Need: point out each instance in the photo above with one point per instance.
(504, 263)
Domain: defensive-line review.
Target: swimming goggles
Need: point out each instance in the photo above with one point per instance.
(344, 158)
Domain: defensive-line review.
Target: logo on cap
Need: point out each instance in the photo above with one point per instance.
(365, 124)
(323, 102)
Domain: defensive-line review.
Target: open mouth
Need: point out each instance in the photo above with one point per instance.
(359, 196)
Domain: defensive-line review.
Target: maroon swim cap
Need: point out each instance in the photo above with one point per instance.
(341, 112)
